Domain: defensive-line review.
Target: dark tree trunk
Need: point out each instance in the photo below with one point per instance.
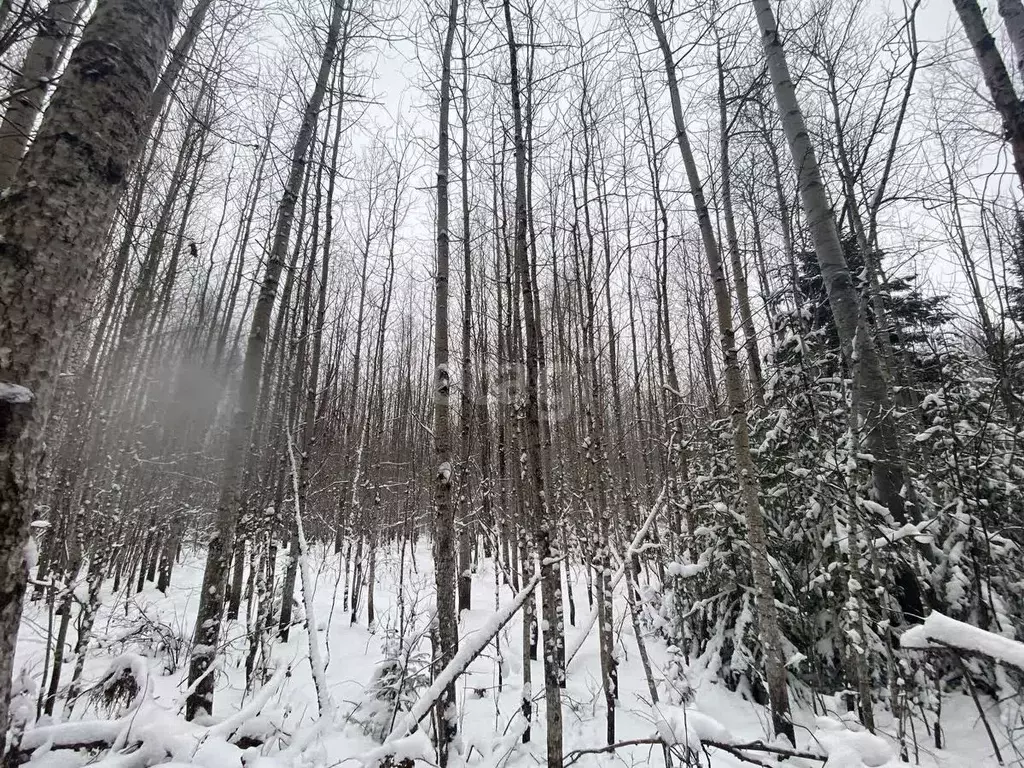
(52, 225)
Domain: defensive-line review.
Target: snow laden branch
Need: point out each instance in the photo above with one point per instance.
(316, 661)
(634, 547)
(146, 734)
(940, 632)
(686, 733)
(469, 648)
(15, 394)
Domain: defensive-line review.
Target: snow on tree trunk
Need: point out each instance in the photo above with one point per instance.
(52, 224)
(316, 660)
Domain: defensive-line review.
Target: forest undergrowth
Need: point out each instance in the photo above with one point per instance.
(129, 711)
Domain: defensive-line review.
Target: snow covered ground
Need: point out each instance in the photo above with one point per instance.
(282, 715)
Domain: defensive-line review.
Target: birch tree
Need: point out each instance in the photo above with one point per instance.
(37, 73)
(52, 223)
(1012, 12)
(993, 70)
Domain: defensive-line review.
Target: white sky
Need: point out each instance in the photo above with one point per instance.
(399, 87)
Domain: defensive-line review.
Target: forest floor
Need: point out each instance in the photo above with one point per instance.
(488, 720)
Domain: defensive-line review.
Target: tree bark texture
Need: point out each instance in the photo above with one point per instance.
(445, 554)
(52, 224)
(37, 72)
(1012, 12)
(993, 71)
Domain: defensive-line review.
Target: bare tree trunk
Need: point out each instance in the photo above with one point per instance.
(993, 70)
(594, 440)
(298, 365)
(771, 636)
(467, 412)
(208, 621)
(872, 259)
(540, 518)
(68, 577)
(445, 555)
(86, 621)
(6, 6)
(739, 273)
(875, 407)
(1012, 12)
(37, 73)
(176, 61)
(371, 579)
(52, 226)
(348, 489)
(785, 222)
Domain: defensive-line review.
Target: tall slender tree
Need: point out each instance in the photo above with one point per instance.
(990, 61)
(445, 554)
(764, 590)
(892, 486)
(539, 513)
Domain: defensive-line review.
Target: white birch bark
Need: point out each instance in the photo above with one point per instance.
(37, 72)
(316, 659)
(994, 73)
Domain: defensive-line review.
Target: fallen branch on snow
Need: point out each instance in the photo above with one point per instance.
(469, 649)
(736, 750)
(633, 548)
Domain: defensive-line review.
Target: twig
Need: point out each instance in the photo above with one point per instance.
(736, 750)
(758, 746)
(575, 756)
(981, 712)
